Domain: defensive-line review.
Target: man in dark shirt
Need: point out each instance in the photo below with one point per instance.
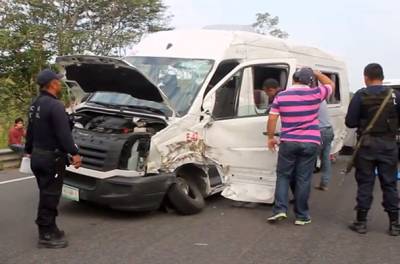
(49, 141)
(378, 151)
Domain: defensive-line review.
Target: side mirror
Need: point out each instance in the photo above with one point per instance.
(208, 103)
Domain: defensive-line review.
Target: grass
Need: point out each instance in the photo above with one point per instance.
(3, 131)
(3, 136)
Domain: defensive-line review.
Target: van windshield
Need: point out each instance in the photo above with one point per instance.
(120, 101)
(179, 79)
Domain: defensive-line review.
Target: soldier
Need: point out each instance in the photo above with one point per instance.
(378, 150)
(49, 141)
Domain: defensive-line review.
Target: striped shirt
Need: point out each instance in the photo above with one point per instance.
(298, 107)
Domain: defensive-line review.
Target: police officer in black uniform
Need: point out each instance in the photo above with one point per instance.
(379, 151)
(49, 141)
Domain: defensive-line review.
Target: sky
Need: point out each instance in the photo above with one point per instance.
(358, 31)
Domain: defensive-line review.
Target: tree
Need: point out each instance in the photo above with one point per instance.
(32, 32)
(267, 24)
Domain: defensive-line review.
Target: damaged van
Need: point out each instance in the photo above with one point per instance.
(184, 117)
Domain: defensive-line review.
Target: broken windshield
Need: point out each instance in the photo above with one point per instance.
(179, 79)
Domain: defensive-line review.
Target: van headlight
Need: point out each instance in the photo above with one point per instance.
(133, 161)
(78, 125)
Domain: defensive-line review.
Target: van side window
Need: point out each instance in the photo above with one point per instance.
(261, 99)
(226, 97)
(223, 69)
(335, 97)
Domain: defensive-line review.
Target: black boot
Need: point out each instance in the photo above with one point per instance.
(52, 240)
(58, 233)
(394, 226)
(360, 225)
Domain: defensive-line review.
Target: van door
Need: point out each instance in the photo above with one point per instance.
(234, 134)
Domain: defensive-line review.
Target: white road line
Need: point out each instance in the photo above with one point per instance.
(17, 180)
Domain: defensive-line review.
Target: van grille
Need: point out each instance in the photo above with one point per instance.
(93, 157)
(103, 152)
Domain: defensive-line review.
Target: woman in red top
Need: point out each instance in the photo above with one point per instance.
(15, 135)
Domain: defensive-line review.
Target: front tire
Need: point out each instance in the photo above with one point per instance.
(186, 197)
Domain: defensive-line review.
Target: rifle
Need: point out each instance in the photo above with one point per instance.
(371, 124)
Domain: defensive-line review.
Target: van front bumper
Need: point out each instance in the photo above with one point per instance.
(144, 193)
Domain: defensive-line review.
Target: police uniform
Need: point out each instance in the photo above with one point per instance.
(378, 154)
(49, 140)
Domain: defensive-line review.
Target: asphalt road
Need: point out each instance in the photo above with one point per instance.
(222, 233)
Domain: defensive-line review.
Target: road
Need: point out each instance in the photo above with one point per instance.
(222, 233)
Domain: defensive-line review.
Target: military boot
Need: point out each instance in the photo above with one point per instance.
(394, 225)
(58, 232)
(360, 225)
(52, 240)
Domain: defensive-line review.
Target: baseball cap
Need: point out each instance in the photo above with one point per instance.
(46, 76)
(304, 76)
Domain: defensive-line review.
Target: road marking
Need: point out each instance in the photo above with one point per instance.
(17, 180)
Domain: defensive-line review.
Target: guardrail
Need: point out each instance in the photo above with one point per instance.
(9, 159)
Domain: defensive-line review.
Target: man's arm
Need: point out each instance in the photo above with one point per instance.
(62, 129)
(29, 138)
(327, 83)
(353, 112)
(63, 133)
(271, 127)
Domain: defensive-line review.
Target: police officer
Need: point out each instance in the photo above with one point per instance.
(379, 151)
(49, 140)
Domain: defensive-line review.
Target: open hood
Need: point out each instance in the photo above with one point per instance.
(106, 74)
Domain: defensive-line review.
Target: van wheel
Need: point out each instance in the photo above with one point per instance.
(186, 197)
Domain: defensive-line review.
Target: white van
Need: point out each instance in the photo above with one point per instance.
(393, 83)
(178, 118)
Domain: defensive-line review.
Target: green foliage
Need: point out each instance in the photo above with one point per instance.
(32, 32)
(268, 25)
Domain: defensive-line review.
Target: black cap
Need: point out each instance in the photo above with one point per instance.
(46, 76)
(304, 76)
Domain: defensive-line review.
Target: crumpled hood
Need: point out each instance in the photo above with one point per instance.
(106, 74)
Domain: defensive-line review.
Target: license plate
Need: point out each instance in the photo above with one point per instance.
(70, 193)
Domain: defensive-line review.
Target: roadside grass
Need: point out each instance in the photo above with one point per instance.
(3, 133)
(3, 137)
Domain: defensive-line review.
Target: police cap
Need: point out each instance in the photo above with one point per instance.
(46, 76)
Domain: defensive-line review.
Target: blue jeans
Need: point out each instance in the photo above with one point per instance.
(326, 167)
(18, 148)
(295, 159)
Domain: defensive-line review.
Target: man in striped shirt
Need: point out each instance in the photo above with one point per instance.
(300, 138)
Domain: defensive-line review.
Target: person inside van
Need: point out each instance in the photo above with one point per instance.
(263, 98)
(271, 88)
(15, 136)
(300, 140)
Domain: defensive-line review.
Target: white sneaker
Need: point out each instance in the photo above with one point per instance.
(277, 218)
(302, 221)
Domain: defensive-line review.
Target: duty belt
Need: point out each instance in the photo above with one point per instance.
(47, 152)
